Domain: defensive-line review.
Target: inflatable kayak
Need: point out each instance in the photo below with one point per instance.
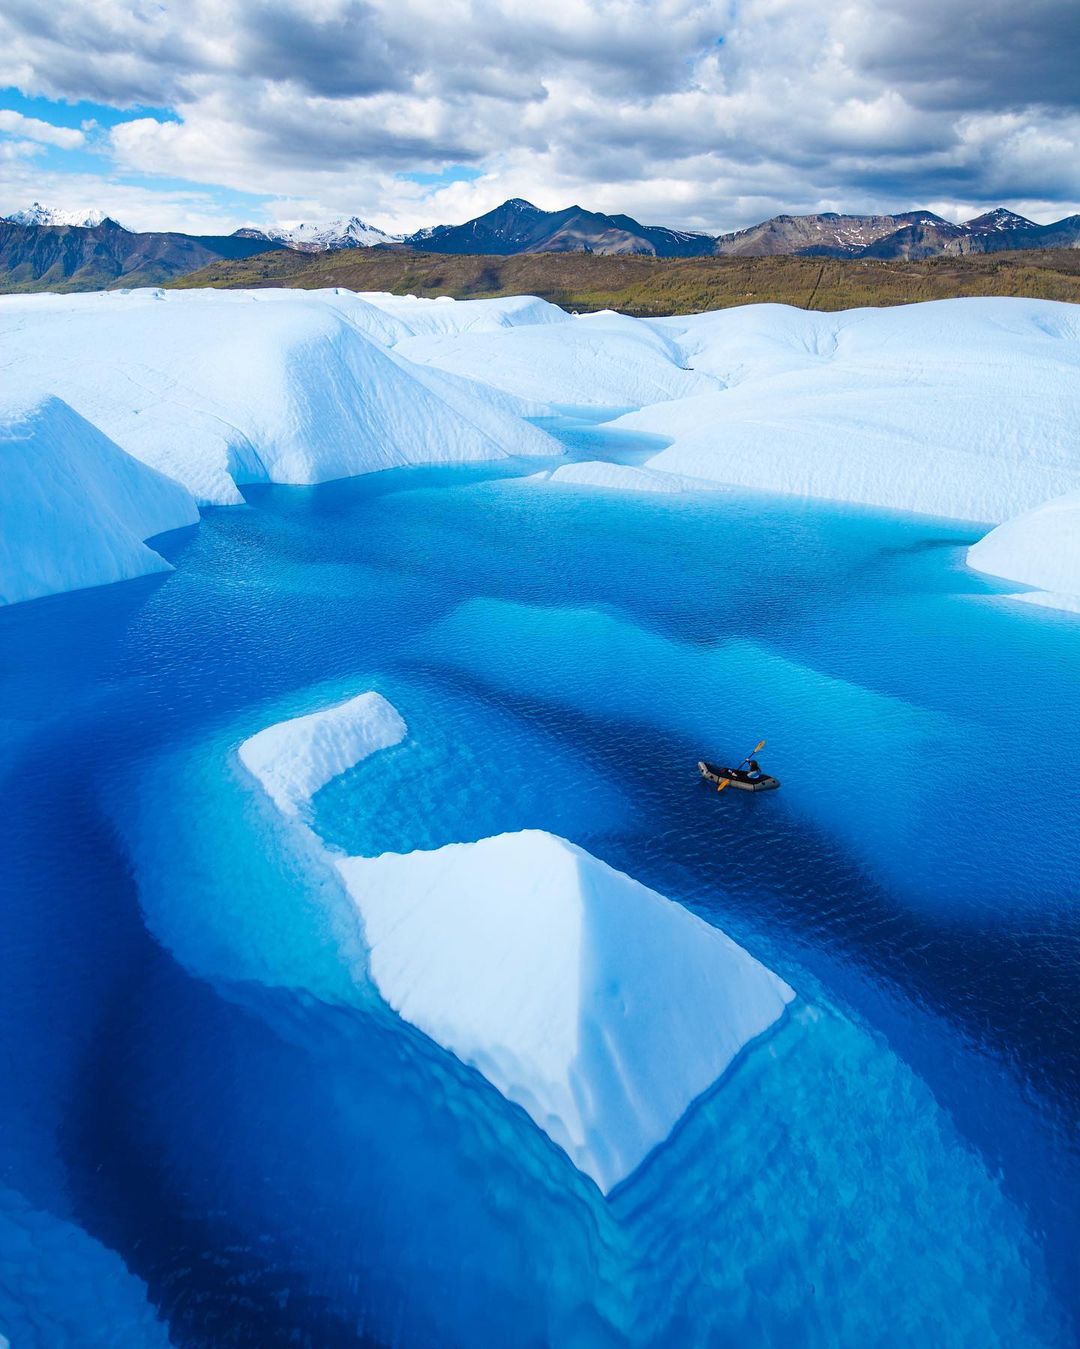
(736, 777)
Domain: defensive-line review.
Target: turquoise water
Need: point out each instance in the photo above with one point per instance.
(195, 1077)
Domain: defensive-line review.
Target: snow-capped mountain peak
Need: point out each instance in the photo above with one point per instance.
(316, 237)
(999, 219)
(37, 214)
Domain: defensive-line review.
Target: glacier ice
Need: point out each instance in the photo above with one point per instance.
(624, 478)
(294, 758)
(596, 360)
(74, 508)
(217, 388)
(1038, 548)
(957, 408)
(597, 1005)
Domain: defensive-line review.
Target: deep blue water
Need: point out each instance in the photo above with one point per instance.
(191, 1077)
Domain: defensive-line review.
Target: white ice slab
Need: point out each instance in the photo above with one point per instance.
(597, 1005)
(293, 759)
(1039, 548)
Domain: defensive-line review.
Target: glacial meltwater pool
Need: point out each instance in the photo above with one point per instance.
(208, 1137)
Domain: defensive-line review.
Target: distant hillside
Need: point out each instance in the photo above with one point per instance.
(520, 227)
(71, 257)
(650, 286)
(826, 235)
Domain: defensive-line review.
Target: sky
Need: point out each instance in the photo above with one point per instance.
(700, 114)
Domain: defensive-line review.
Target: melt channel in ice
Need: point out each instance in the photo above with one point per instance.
(597, 1005)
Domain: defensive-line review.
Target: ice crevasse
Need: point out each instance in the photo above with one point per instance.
(598, 1006)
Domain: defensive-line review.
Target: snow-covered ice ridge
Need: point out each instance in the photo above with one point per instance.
(220, 388)
(960, 408)
(74, 508)
(598, 1006)
(965, 409)
(121, 411)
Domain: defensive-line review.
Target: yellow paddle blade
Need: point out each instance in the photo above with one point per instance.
(759, 746)
(726, 783)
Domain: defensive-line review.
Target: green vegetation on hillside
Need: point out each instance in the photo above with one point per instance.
(651, 286)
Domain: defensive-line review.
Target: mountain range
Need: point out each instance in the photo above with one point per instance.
(42, 248)
(307, 237)
(97, 257)
(520, 227)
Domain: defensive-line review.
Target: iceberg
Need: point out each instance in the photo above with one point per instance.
(294, 758)
(598, 1006)
(220, 388)
(1040, 548)
(75, 510)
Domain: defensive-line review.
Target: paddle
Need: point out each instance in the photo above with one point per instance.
(727, 781)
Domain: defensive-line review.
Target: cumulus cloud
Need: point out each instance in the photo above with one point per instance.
(42, 133)
(703, 113)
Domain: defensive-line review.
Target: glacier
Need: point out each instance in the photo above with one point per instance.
(962, 409)
(75, 510)
(597, 1005)
(604, 361)
(220, 388)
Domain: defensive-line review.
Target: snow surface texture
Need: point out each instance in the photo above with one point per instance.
(601, 360)
(959, 408)
(217, 388)
(1040, 548)
(622, 478)
(74, 508)
(597, 1005)
(295, 758)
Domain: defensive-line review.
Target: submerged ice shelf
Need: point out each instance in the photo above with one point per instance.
(597, 1005)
